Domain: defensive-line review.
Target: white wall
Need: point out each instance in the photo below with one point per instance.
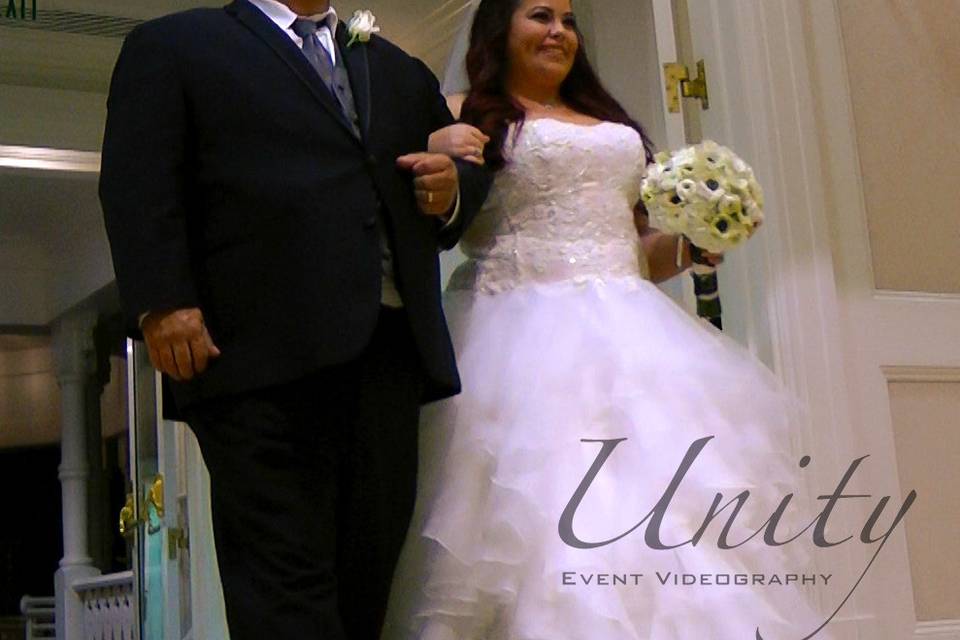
(59, 119)
(29, 399)
(25, 283)
(53, 246)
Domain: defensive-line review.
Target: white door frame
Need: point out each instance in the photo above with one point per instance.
(889, 336)
(781, 62)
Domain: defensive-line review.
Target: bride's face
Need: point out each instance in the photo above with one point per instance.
(543, 40)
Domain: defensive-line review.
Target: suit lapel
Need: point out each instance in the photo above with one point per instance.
(284, 47)
(357, 62)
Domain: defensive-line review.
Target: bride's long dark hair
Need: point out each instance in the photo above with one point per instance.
(491, 109)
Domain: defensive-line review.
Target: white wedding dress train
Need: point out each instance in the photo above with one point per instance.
(561, 337)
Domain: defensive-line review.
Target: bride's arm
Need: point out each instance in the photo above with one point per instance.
(661, 249)
(459, 140)
(455, 103)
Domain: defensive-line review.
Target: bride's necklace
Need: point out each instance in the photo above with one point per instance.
(549, 105)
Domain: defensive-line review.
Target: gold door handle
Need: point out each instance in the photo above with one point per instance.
(155, 496)
(677, 78)
(128, 521)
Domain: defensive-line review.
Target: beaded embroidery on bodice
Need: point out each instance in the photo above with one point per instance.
(561, 209)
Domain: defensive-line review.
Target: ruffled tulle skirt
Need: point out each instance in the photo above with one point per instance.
(550, 373)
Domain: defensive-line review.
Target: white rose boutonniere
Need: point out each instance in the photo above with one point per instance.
(361, 27)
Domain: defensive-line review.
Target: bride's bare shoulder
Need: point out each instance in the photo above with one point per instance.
(455, 103)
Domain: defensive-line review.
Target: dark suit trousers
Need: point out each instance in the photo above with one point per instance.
(313, 485)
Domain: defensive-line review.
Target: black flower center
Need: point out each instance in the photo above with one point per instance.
(722, 226)
(712, 184)
(676, 200)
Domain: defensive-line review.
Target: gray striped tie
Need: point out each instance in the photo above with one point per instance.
(334, 76)
(316, 53)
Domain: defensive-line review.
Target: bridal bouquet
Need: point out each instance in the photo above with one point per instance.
(707, 193)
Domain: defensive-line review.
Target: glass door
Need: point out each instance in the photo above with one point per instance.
(156, 514)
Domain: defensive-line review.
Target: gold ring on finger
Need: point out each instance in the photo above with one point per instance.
(429, 197)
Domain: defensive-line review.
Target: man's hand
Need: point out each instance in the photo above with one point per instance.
(436, 181)
(178, 342)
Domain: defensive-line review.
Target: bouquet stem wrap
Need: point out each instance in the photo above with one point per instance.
(706, 287)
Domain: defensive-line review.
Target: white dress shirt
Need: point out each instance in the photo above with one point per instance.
(284, 17)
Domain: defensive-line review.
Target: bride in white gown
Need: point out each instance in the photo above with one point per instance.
(563, 340)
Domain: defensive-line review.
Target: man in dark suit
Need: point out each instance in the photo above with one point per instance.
(275, 223)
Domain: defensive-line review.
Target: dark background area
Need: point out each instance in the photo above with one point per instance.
(31, 523)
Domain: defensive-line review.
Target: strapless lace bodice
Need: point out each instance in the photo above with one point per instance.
(561, 210)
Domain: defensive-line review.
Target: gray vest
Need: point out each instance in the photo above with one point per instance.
(340, 85)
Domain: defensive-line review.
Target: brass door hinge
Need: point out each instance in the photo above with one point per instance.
(678, 81)
(177, 538)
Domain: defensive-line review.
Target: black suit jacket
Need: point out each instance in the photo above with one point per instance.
(232, 182)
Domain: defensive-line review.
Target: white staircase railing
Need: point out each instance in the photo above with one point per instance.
(109, 607)
(39, 613)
